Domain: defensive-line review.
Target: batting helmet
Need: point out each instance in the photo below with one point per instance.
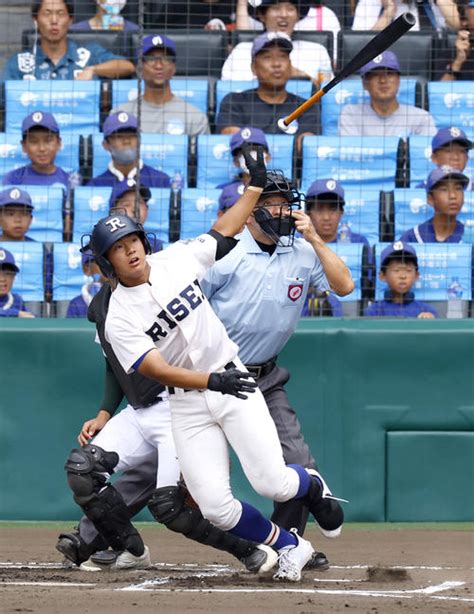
(282, 225)
(108, 231)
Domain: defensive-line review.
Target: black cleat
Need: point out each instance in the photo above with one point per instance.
(318, 562)
(261, 560)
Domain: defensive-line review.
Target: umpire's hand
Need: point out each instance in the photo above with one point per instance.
(232, 382)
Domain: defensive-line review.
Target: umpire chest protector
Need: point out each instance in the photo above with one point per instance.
(140, 391)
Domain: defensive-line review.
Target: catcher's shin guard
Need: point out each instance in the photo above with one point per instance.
(292, 514)
(87, 470)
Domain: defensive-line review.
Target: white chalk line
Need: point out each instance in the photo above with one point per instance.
(56, 584)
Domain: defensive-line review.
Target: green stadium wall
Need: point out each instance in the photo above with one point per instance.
(387, 408)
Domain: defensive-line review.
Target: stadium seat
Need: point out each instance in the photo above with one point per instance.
(194, 91)
(354, 256)
(198, 211)
(114, 40)
(351, 91)
(158, 221)
(75, 104)
(369, 161)
(215, 165)
(12, 156)
(324, 38)
(300, 87)
(451, 103)
(361, 213)
(411, 208)
(68, 277)
(198, 52)
(88, 205)
(30, 281)
(413, 50)
(445, 274)
(164, 152)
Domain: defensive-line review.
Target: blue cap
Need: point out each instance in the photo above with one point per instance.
(127, 185)
(445, 172)
(271, 38)
(87, 257)
(326, 186)
(7, 260)
(230, 195)
(15, 196)
(41, 120)
(158, 41)
(444, 136)
(248, 135)
(387, 60)
(119, 121)
(398, 248)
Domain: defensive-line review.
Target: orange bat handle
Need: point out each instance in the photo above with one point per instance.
(304, 107)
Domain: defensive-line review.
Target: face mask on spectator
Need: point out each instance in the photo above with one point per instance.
(113, 7)
(126, 155)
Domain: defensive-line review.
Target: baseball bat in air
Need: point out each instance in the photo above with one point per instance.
(375, 47)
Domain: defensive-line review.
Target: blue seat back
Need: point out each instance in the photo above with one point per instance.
(361, 213)
(215, 165)
(412, 208)
(164, 152)
(90, 204)
(445, 271)
(351, 255)
(194, 91)
(158, 220)
(294, 86)
(29, 282)
(74, 104)
(68, 277)
(451, 103)
(12, 156)
(198, 211)
(351, 91)
(352, 160)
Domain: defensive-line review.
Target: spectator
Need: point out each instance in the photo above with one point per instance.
(321, 303)
(461, 66)
(308, 59)
(445, 188)
(11, 304)
(121, 141)
(161, 110)
(325, 206)
(107, 17)
(229, 196)
(399, 270)
(253, 136)
(383, 115)
(58, 57)
(207, 14)
(16, 215)
(450, 147)
(78, 306)
(124, 200)
(41, 142)
(263, 106)
(377, 14)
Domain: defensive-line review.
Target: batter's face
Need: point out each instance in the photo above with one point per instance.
(15, 221)
(127, 203)
(400, 276)
(272, 67)
(280, 17)
(158, 68)
(53, 21)
(447, 197)
(7, 277)
(326, 217)
(127, 256)
(41, 146)
(382, 85)
(453, 155)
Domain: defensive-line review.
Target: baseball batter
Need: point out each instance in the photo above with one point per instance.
(160, 323)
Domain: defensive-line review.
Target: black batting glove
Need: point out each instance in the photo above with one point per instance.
(256, 168)
(232, 382)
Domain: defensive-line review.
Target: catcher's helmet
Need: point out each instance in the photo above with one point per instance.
(282, 225)
(108, 231)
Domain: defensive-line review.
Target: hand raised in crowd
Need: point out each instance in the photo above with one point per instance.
(92, 427)
(463, 46)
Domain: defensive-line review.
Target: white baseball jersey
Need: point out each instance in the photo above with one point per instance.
(170, 312)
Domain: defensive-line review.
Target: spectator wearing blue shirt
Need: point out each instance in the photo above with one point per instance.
(41, 142)
(54, 56)
(450, 147)
(78, 306)
(16, 215)
(11, 304)
(253, 136)
(399, 270)
(445, 188)
(121, 141)
(124, 200)
(107, 17)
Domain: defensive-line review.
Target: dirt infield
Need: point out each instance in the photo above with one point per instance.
(372, 571)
